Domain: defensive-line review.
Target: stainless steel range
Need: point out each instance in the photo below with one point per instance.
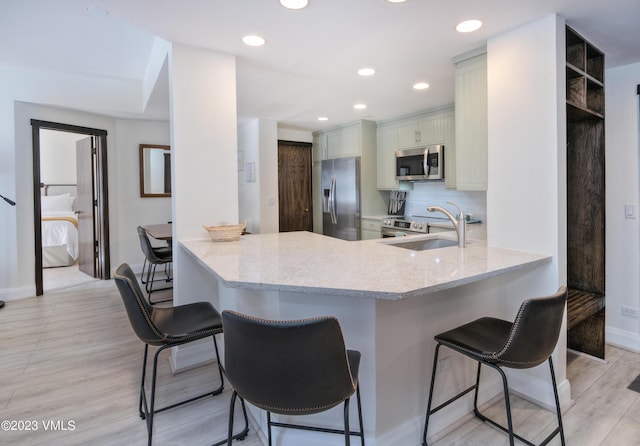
(412, 225)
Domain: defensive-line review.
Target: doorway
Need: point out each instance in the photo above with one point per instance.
(294, 186)
(90, 203)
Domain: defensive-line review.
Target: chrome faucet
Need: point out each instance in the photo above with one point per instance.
(459, 224)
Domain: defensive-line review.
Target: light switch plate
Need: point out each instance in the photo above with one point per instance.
(629, 212)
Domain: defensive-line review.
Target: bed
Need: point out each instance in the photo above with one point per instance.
(59, 231)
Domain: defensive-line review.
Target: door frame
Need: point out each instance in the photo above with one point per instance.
(101, 195)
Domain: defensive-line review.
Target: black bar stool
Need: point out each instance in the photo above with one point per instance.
(525, 343)
(297, 367)
(164, 328)
(153, 257)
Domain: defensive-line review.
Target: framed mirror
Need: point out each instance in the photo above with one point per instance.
(155, 170)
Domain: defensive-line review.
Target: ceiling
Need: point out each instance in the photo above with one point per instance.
(308, 67)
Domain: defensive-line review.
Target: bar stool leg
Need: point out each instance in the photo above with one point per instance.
(142, 394)
(243, 434)
(347, 438)
(433, 380)
(555, 394)
(507, 403)
(360, 415)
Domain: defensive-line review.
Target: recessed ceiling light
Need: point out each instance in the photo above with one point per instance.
(294, 4)
(94, 10)
(468, 26)
(253, 40)
(366, 71)
(396, 1)
(360, 106)
(420, 86)
(323, 118)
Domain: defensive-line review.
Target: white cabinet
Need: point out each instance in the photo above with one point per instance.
(344, 142)
(431, 127)
(371, 228)
(339, 142)
(408, 134)
(387, 146)
(471, 122)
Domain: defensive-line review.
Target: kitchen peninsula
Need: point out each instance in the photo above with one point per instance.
(390, 301)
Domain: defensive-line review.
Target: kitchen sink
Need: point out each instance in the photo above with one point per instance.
(423, 245)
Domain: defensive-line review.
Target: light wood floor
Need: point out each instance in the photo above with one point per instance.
(71, 357)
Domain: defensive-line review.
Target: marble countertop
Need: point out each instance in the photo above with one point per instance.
(306, 262)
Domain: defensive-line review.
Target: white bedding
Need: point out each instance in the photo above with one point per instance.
(60, 229)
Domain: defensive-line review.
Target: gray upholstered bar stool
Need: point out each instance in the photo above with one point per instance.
(164, 328)
(522, 344)
(296, 367)
(152, 258)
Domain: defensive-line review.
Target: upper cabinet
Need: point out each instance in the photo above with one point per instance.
(409, 134)
(585, 79)
(429, 127)
(387, 146)
(338, 142)
(471, 121)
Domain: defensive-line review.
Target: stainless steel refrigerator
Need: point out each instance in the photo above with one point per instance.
(341, 198)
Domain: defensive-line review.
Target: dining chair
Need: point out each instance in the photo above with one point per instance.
(296, 367)
(526, 342)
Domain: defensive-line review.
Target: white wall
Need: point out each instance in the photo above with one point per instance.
(258, 199)
(268, 176)
(127, 209)
(22, 283)
(204, 166)
(10, 283)
(622, 235)
(133, 210)
(58, 156)
(21, 88)
(526, 195)
(294, 135)
(249, 192)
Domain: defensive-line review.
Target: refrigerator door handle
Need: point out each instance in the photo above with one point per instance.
(332, 201)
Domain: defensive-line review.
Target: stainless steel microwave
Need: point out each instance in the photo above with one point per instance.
(424, 163)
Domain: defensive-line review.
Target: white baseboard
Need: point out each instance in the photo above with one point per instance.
(29, 291)
(623, 338)
(24, 292)
(540, 391)
(191, 355)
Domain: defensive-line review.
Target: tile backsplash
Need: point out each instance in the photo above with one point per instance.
(427, 193)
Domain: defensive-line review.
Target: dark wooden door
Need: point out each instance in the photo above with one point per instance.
(294, 186)
(86, 206)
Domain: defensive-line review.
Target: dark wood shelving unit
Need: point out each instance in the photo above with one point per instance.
(585, 196)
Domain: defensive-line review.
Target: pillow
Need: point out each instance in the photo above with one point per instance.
(57, 203)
